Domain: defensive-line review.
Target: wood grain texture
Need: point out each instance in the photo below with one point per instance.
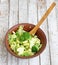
(22, 19)
(53, 34)
(22, 11)
(13, 19)
(32, 18)
(3, 30)
(45, 15)
(29, 11)
(45, 56)
(56, 10)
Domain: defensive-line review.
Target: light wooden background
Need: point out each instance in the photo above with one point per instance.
(21, 11)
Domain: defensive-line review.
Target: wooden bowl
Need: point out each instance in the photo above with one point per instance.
(27, 27)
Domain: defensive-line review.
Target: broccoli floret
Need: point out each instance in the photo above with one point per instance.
(24, 36)
(36, 47)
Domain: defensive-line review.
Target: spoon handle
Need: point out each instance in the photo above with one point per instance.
(33, 31)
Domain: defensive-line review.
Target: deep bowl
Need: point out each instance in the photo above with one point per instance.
(27, 27)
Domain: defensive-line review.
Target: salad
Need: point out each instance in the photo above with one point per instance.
(22, 43)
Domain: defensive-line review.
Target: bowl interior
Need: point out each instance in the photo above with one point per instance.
(27, 27)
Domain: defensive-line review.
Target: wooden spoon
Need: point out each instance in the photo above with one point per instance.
(33, 31)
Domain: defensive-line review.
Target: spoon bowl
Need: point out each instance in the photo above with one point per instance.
(27, 27)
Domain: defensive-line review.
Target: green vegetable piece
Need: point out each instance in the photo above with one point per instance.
(34, 48)
(24, 36)
(20, 30)
(22, 43)
(17, 33)
(9, 36)
(27, 53)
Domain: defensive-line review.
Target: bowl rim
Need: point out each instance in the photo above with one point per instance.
(13, 53)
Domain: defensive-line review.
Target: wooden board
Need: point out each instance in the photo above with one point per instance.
(45, 56)
(22, 19)
(13, 19)
(32, 18)
(3, 30)
(53, 34)
(29, 11)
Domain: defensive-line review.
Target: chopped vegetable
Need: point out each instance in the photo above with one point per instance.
(27, 53)
(36, 47)
(24, 44)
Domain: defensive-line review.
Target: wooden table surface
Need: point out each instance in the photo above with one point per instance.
(29, 11)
